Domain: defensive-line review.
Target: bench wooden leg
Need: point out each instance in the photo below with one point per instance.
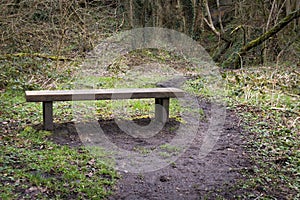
(162, 109)
(48, 115)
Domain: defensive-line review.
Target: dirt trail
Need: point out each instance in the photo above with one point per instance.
(186, 178)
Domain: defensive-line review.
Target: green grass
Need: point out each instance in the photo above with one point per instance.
(15, 109)
(142, 150)
(168, 151)
(132, 109)
(268, 101)
(170, 148)
(31, 166)
(126, 109)
(32, 73)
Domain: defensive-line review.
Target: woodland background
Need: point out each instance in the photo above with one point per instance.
(43, 44)
(228, 29)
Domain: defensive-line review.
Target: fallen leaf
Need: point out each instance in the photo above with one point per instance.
(91, 162)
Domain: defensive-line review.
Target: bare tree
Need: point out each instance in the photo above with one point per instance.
(235, 59)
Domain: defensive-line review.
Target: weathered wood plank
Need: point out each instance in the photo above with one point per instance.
(162, 99)
(102, 94)
(48, 115)
(162, 109)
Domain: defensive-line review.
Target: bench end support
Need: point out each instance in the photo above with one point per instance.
(48, 115)
(162, 109)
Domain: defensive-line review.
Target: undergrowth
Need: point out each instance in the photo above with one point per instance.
(265, 98)
(33, 167)
(268, 102)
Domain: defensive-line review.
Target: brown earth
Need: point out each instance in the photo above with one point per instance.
(188, 177)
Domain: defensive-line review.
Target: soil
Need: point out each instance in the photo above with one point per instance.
(188, 177)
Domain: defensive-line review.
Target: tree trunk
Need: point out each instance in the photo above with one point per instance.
(234, 59)
(187, 10)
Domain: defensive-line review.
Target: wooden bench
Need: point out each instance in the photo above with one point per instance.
(161, 95)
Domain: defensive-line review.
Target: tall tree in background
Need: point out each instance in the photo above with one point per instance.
(236, 24)
(175, 14)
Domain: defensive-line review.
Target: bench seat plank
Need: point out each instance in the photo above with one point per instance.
(102, 94)
(161, 95)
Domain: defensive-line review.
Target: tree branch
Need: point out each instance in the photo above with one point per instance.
(275, 29)
(233, 60)
(32, 55)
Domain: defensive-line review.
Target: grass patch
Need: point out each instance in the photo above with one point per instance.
(142, 150)
(268, 100)
(31, 166)
(125, 109)
(34, 73)
(132, 109)
(170, 148)
(16, 110)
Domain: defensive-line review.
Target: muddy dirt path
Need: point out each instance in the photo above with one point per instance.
(188, 177)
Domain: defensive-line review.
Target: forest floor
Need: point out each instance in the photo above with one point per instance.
(253, 150)
(256, 156)
(216, 175)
